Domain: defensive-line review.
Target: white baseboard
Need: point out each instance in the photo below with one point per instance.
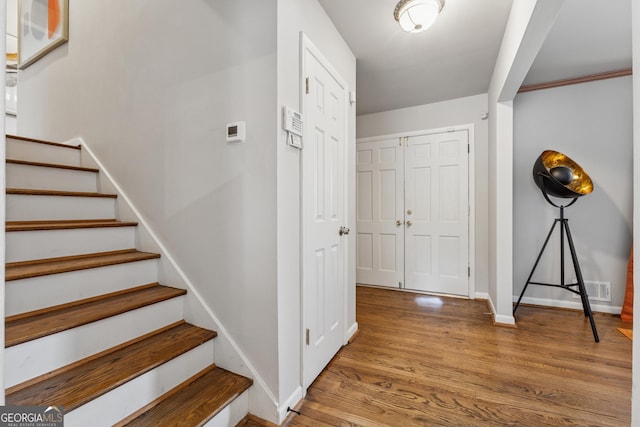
(505, 320)
(290, 402)
(481, 296)
(574, 305)
(499, 319)
(545, 302)
(351, 331)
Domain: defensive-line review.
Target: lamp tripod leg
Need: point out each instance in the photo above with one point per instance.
(535, 265)
(583, 291)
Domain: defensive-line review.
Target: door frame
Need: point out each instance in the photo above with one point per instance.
(306, 45)
(470, 128)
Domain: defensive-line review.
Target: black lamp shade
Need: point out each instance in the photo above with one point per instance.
(559, 176)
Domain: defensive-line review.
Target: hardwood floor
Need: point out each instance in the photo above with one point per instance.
(423, 360)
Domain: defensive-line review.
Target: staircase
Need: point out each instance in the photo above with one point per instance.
(88, 326)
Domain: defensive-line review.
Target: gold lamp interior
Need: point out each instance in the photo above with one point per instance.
(581, 182)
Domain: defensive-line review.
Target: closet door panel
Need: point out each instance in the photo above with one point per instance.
(380, 234)
(436, 208)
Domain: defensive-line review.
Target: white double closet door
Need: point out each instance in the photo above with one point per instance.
(413, 212)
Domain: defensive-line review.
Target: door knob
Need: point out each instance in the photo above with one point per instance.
(409, 211)
(398, 223)
(409, 223)
(344, 230)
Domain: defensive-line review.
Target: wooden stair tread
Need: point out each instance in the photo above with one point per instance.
(30, 192)
(43, 267)
(51, 165)
(90, 378)
(65, 224)
(193, 402)
(40, 141)
(29, 326)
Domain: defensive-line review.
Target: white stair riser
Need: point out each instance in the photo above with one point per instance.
(232, 414)
(37, 357)
(111, 407)
(35, 293)
(47, 178)
(44, 153)
(33, 208)
(38, 244)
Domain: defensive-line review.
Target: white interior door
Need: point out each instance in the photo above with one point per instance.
(437, 213)
(323, 211)
(380, 212)
(413, 212)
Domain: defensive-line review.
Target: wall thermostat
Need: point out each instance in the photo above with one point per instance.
(292, 123)
(236, 132)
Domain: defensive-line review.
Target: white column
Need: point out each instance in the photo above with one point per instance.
(528, 26)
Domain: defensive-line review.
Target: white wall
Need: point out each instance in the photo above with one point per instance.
(307, 16)
(150, 93)
(592, 124)
(11, 124)
(149, 85)
(460, 111)
(635, 387)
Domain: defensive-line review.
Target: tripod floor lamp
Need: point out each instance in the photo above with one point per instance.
(558, 176)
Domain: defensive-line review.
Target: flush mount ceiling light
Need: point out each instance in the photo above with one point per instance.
(415, 16)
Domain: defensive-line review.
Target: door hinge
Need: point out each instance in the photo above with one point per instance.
(468, 148)
(400, 141)
(468, 273)
(308, 333)
(306, 84)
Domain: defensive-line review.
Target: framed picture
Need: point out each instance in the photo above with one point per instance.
(43, 25)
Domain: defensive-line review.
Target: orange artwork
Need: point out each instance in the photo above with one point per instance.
(627, 307)
(54, 16)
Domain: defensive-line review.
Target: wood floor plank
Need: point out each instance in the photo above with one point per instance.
(71, 388)
(194, 402)
(42, 267)
(30, 326)
(427, 360)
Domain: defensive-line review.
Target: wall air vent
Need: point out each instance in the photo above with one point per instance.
(597, 291)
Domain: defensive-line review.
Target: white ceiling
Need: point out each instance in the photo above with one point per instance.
(587, 38)
(456, 56)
